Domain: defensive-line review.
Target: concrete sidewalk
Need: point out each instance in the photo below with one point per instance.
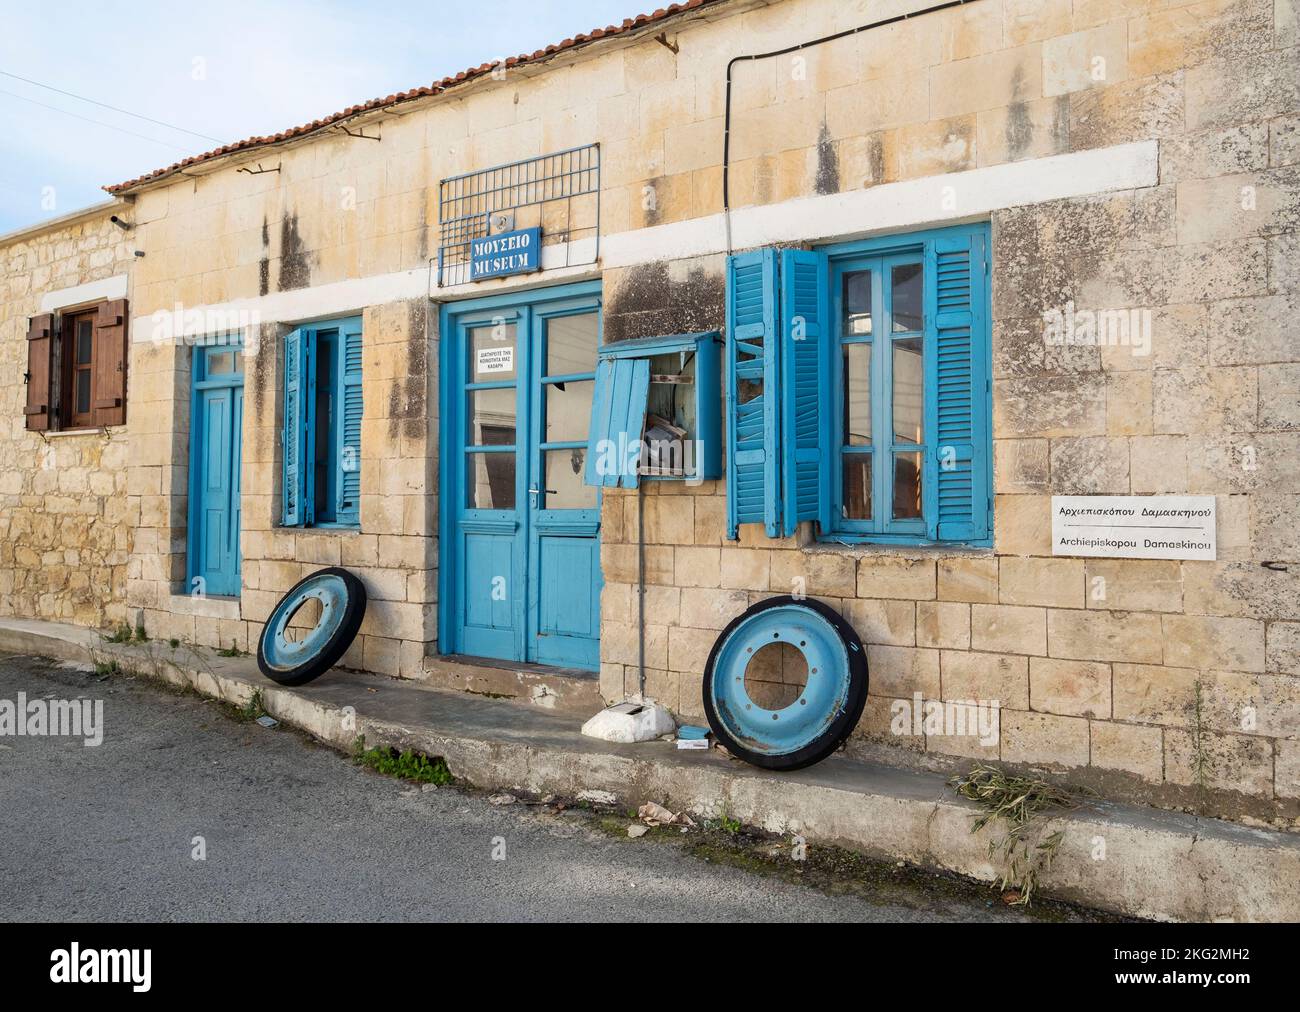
(1156, 864)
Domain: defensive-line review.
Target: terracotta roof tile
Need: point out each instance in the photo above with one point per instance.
(629, 24)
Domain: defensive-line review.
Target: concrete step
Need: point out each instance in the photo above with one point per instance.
(1130, 860)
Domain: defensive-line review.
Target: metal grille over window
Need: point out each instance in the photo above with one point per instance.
(558, 192)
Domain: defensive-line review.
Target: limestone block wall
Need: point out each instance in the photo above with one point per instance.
(392, 552)
(1173, 680)
(66, 515)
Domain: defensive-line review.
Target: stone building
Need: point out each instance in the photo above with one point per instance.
(1091, 204)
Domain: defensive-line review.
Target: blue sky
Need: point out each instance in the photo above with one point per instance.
(228, 71)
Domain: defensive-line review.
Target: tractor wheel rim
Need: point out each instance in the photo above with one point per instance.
(284, 654)
(824, 695)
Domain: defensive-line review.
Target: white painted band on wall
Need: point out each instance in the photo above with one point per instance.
(948, 198)
(91, 291)
(912, 203)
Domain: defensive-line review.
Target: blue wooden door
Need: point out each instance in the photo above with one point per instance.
(563, 511)
(523, 580)
(215, 456)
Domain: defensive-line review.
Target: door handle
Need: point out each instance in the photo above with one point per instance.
(534, 492)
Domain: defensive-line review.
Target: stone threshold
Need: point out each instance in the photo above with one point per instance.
(1161, 865)
(567, 689)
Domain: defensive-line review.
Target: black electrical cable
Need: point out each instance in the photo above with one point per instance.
(726, 126)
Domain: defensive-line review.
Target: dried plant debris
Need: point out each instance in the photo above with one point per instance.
(1023, 805)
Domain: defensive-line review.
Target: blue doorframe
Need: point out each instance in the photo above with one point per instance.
(519, 573)
(216, 453)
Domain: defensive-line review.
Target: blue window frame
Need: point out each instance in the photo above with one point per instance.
(322, 425)
(872, 413)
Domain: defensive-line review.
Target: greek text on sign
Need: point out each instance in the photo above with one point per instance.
(1134, 526)
(508, 253)
(495, 359)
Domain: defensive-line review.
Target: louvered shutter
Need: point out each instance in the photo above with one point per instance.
(617, 421)
(40, 347)
(805, 390)
(111, 352)
(295, 426)
(753, 393)
(348, 479)
(957, 389)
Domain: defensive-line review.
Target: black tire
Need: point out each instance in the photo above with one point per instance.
(836, 731)
(334, 648)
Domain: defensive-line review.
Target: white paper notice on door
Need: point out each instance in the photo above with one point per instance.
(495, 359)
(1134, 526)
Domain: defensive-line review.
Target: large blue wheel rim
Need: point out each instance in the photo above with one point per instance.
(824, 697)
(284, 654)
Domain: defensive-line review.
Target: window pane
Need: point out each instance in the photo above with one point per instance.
(906, 282)
(85, 341)
(909, 390)
(565, 489)
(857, 303)
(571, 344)
(568, 410)
(490, 481)
(492, 417)
(83, 391)
(857, 395)
(492, 353)
(907, 486)
(857, 486)
(222, 363)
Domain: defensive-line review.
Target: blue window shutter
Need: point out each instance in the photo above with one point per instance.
(957, 331)
(753, 393)
(617, 420)
(347, 509)
(295, 426)
(805, 388)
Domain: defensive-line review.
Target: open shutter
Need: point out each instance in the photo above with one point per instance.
(957, 466)
(40, 347)
(753, 392)
(617, 420)
(295, 427)
(111, 353)
(805, 390)
(347, 510)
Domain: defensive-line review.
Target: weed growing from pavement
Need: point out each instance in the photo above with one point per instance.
(1019, 804)
(230, 651)
(251, 710)
(408, 765)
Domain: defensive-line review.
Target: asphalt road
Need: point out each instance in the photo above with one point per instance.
(294, 831)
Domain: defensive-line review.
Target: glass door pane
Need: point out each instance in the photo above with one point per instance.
(567, 386)
(491, 417)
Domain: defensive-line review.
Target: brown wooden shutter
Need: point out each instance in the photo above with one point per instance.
(40, 347)
(111, 352)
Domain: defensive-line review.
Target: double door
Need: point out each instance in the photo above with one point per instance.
(524, 527)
